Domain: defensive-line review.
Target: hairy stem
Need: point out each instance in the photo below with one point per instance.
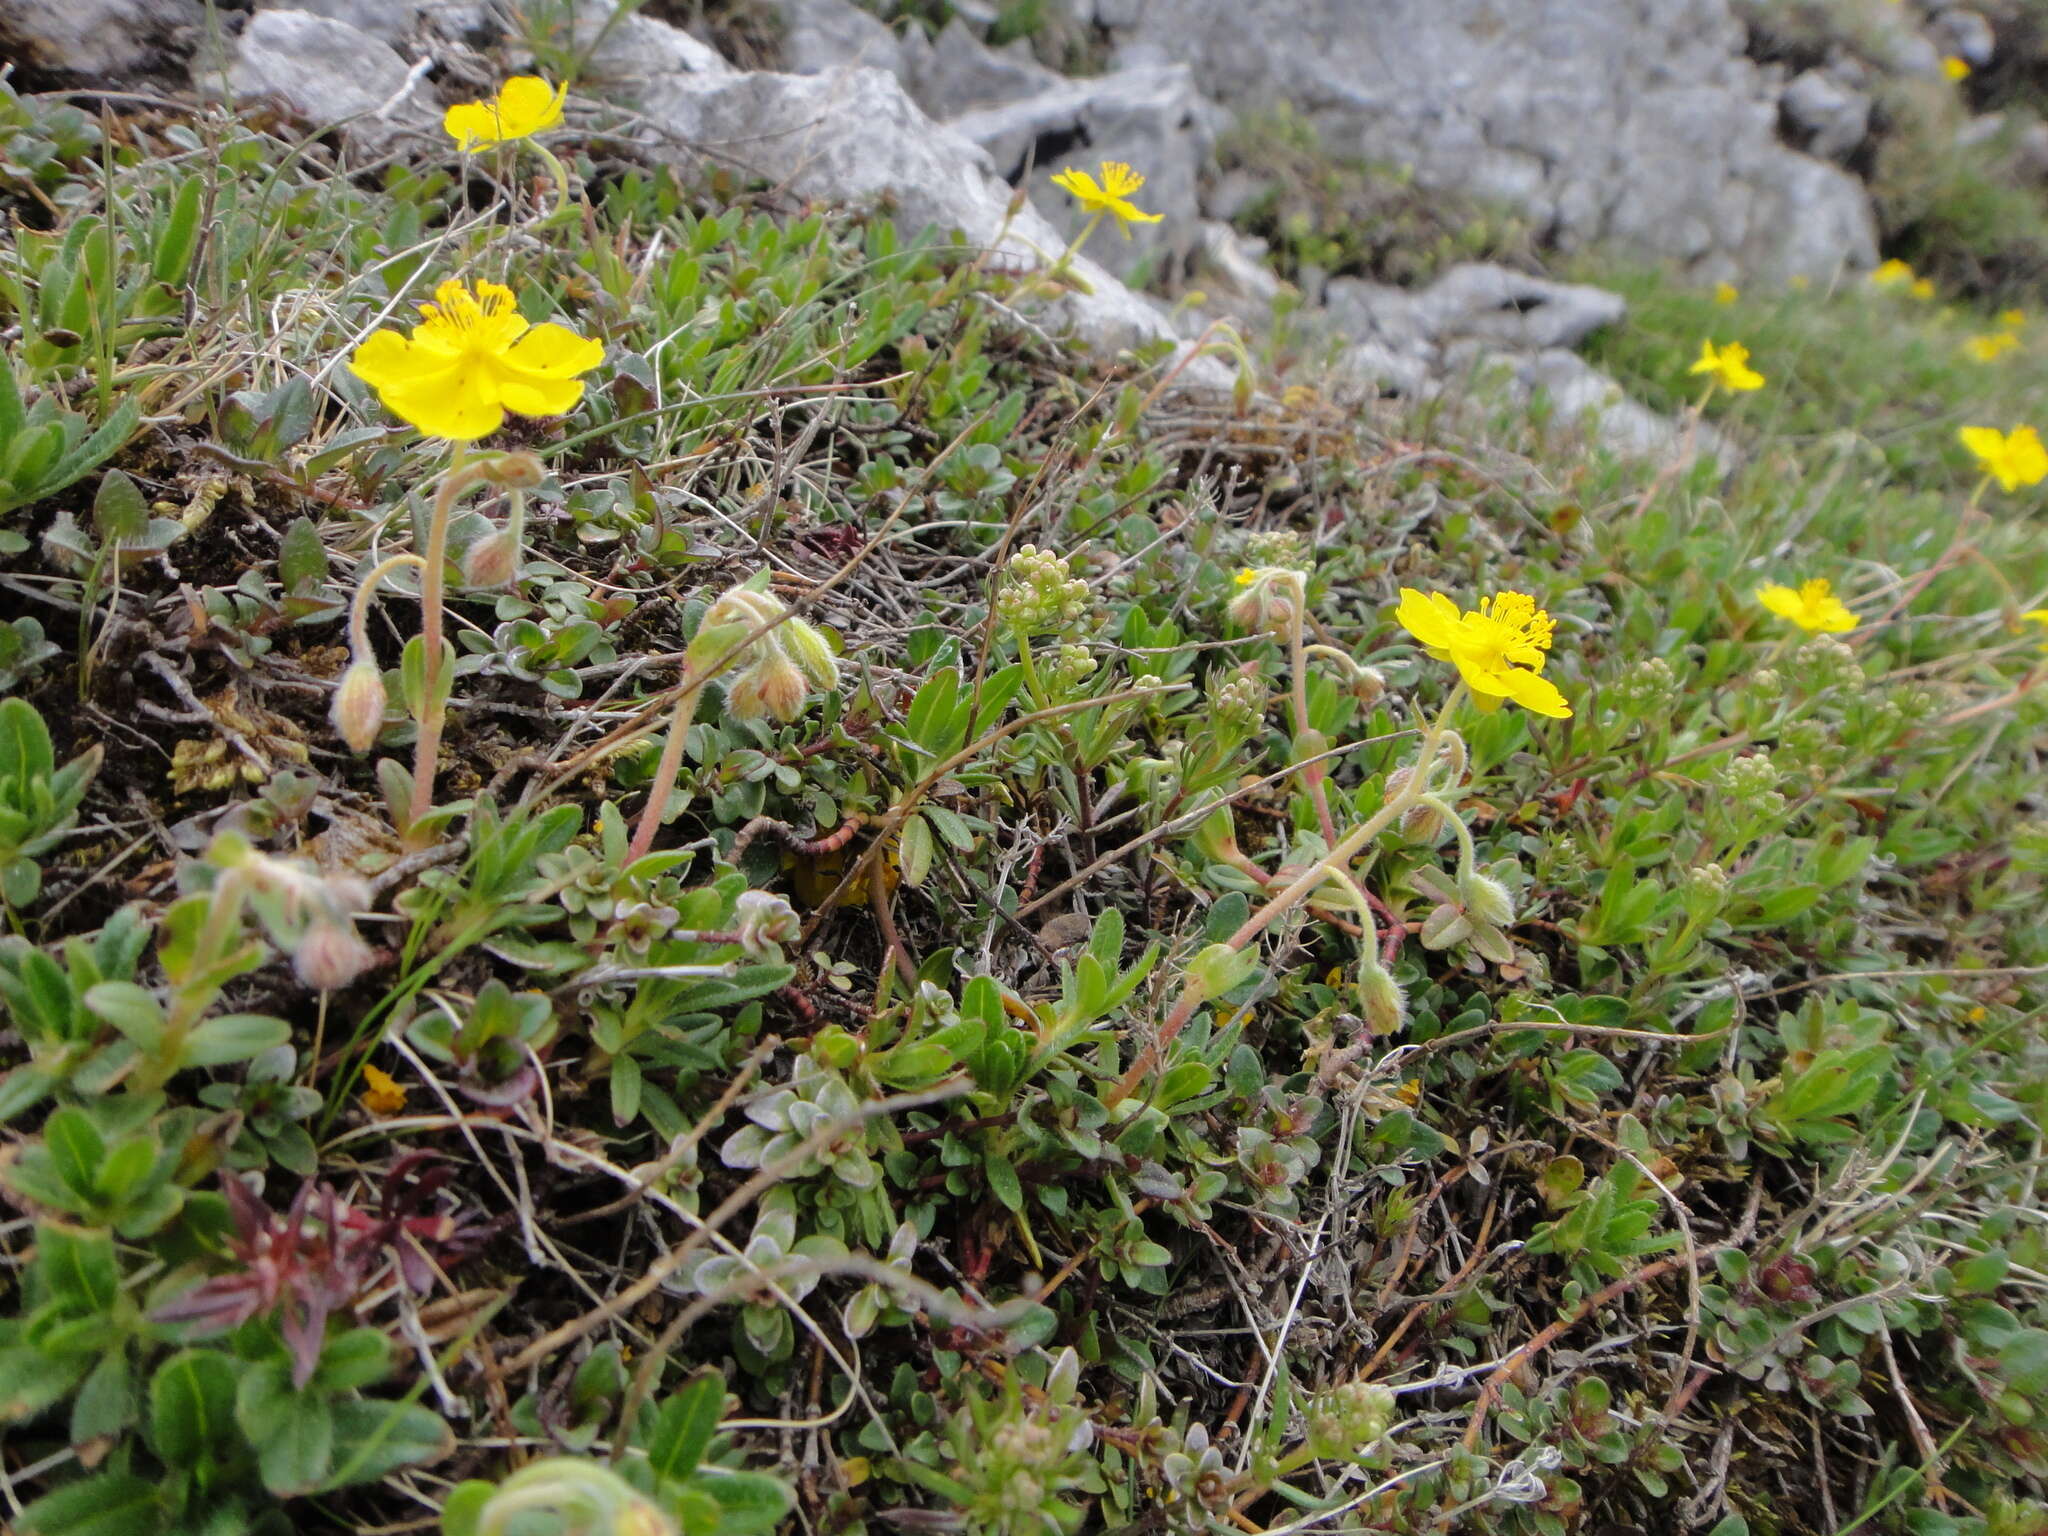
(1293, 894)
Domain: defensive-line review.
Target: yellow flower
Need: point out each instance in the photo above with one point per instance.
(1247, 576)
(385, 1095)
(1111, 195)
(2013, 319)
(2013, 459)
(1814, 607)
(471, 359)
(1728, 366)
(1991, 346)
(1726, 293)
(2039, 616)
(1892, 274)
(1499, 649)
(1955, 68)
(525, 105)
(1923, 288)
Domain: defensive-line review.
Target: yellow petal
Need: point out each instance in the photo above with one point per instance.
(472, 125)
(527, 104)
(1538, 695)
(461, 407)
(556, 351)
(385, 359)
(1782, 601)
(1430, 617)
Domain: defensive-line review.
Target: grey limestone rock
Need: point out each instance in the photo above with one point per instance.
(100, 40)
(1633, 121)
(327, 73)
(1828, 117)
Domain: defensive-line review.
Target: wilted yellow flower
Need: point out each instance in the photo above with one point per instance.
(1499, 649)
(2039, 616)
(1956, 68)
(2013, 459)
(385, 1095)
(471, 359)
(1111, 195)
(525, 105)
(1728, 366)
(1813, 607)
(1726, 293)
(1991, 346)
(1892, 274)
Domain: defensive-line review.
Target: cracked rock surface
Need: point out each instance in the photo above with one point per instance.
(1637, 122)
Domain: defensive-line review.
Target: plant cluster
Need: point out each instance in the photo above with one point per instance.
(717, 887)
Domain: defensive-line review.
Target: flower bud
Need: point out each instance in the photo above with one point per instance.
(808, 649)
(1424, 823)
(330, 956)
(1487, 899)
(1380, 997)
(1219, 969)
(763, 920)
(358, 709)
(492, 561)
(513, 471)
(1268, 600)
(771, 686)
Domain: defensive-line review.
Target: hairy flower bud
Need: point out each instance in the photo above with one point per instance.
(1380, 997)
(808, 649)
(519, 471)
(492, 561)
(771, 686)
(1487, 899)
(358, 708)
(1268, 600)
(330, 956)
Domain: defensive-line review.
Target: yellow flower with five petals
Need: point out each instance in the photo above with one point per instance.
(1991, 346)
(2014, 459)
(525, 105)
(1109, 196)
(472, 358)
(1498, 648)
(1813, 607)
(1728, 366)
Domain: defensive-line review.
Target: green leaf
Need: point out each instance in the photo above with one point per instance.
(916, 851)
(31, 1380)
(683, 1430)
(111, 1504)
(179, 237)
(119, 509)
(105, 1404)
(293, 1433)
(374, 1439)
(752, 1503)
(231, 1038)
(78, 1266)
(1003, 1182)
(301, 557)
(192, 1408)
(131, 1009)
(76, 1151)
